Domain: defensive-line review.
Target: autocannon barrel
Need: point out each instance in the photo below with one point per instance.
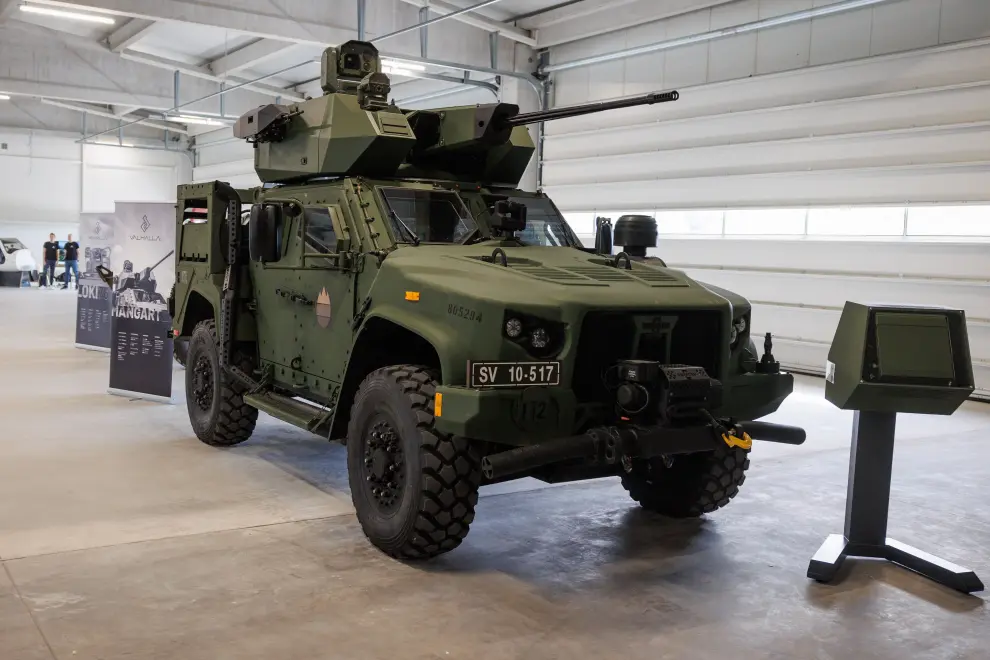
(588, 108)
(521, 459)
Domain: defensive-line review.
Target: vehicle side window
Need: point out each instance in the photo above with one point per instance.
(320, 236)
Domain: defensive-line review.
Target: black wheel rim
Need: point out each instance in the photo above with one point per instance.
(384, 466)
(202, 389)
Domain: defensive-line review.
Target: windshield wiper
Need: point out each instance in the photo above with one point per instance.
(409, 232)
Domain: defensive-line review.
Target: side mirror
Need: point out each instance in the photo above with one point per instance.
(265, 233)
(603, 235)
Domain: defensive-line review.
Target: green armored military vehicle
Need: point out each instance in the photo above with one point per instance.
(391, 288)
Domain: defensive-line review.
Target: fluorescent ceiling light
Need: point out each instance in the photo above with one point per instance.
(4, 97)
(396, 66)
(190, 119)
(61, 13)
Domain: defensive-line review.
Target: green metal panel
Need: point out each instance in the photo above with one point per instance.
(889, 358)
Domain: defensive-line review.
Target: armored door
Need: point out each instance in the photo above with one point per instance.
(326, 280)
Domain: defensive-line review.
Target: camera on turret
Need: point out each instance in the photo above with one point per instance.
(344, 68)
(650, 392)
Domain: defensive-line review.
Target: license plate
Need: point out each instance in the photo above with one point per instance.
(514, 374)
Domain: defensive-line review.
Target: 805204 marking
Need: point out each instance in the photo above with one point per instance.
(464, 313)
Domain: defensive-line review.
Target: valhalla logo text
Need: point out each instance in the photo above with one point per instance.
(145, 225)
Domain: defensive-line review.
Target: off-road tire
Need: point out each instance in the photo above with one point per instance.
(227, 420)
(440, 474)
(693, 485)
(180, 349)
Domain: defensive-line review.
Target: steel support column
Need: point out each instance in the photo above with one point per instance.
(545, 102)
(424, 32)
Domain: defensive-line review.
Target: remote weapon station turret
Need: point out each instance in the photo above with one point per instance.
(390, 287)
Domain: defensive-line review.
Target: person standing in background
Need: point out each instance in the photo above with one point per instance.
(71, 262)
(50, 249)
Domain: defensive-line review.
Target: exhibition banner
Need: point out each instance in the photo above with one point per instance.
(93, 305)
(141, 348)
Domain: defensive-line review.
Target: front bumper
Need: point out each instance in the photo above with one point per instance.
(518, 416)
(619, 445)
(528, 415)
(752, 396)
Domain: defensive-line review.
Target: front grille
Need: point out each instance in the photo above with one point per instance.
(669, 337)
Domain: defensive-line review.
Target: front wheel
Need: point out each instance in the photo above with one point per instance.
(215, 402)
(180, 346)
(688, 485)
(414, 489)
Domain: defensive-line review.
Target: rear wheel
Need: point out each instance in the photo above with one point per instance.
(414, 489)
(215, 402)
(688, 485)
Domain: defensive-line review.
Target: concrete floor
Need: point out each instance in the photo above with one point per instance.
(121, 536)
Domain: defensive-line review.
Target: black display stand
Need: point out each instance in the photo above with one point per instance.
(867, 501)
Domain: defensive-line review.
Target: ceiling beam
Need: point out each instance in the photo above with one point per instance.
(206, 74)
(122, 110)
(83, 94)
(478, 20)
(101, 112)
(129, 34)
(594, 17)
(248, 56)
(275, 25)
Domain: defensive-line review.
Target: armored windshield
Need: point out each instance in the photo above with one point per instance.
(12, 244)
(544, 225)
(432, 216)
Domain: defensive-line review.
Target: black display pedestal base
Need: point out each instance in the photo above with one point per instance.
(867, 501)
(11, 278)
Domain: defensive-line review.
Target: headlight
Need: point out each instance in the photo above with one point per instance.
(737, 330)
(541, 338)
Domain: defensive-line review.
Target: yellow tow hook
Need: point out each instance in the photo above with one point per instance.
(730, 438)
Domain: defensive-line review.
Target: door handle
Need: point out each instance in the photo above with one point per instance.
(294, 297)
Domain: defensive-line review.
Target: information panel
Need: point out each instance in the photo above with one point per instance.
(141, 359)
(93, 304)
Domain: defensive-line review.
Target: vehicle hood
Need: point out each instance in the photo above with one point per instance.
(541, 276)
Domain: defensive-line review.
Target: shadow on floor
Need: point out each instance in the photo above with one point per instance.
(316, 461)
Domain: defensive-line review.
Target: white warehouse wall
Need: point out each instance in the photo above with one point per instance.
(49, 179)
(752, 173)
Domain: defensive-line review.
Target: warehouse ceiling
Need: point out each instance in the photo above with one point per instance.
(110, 62)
